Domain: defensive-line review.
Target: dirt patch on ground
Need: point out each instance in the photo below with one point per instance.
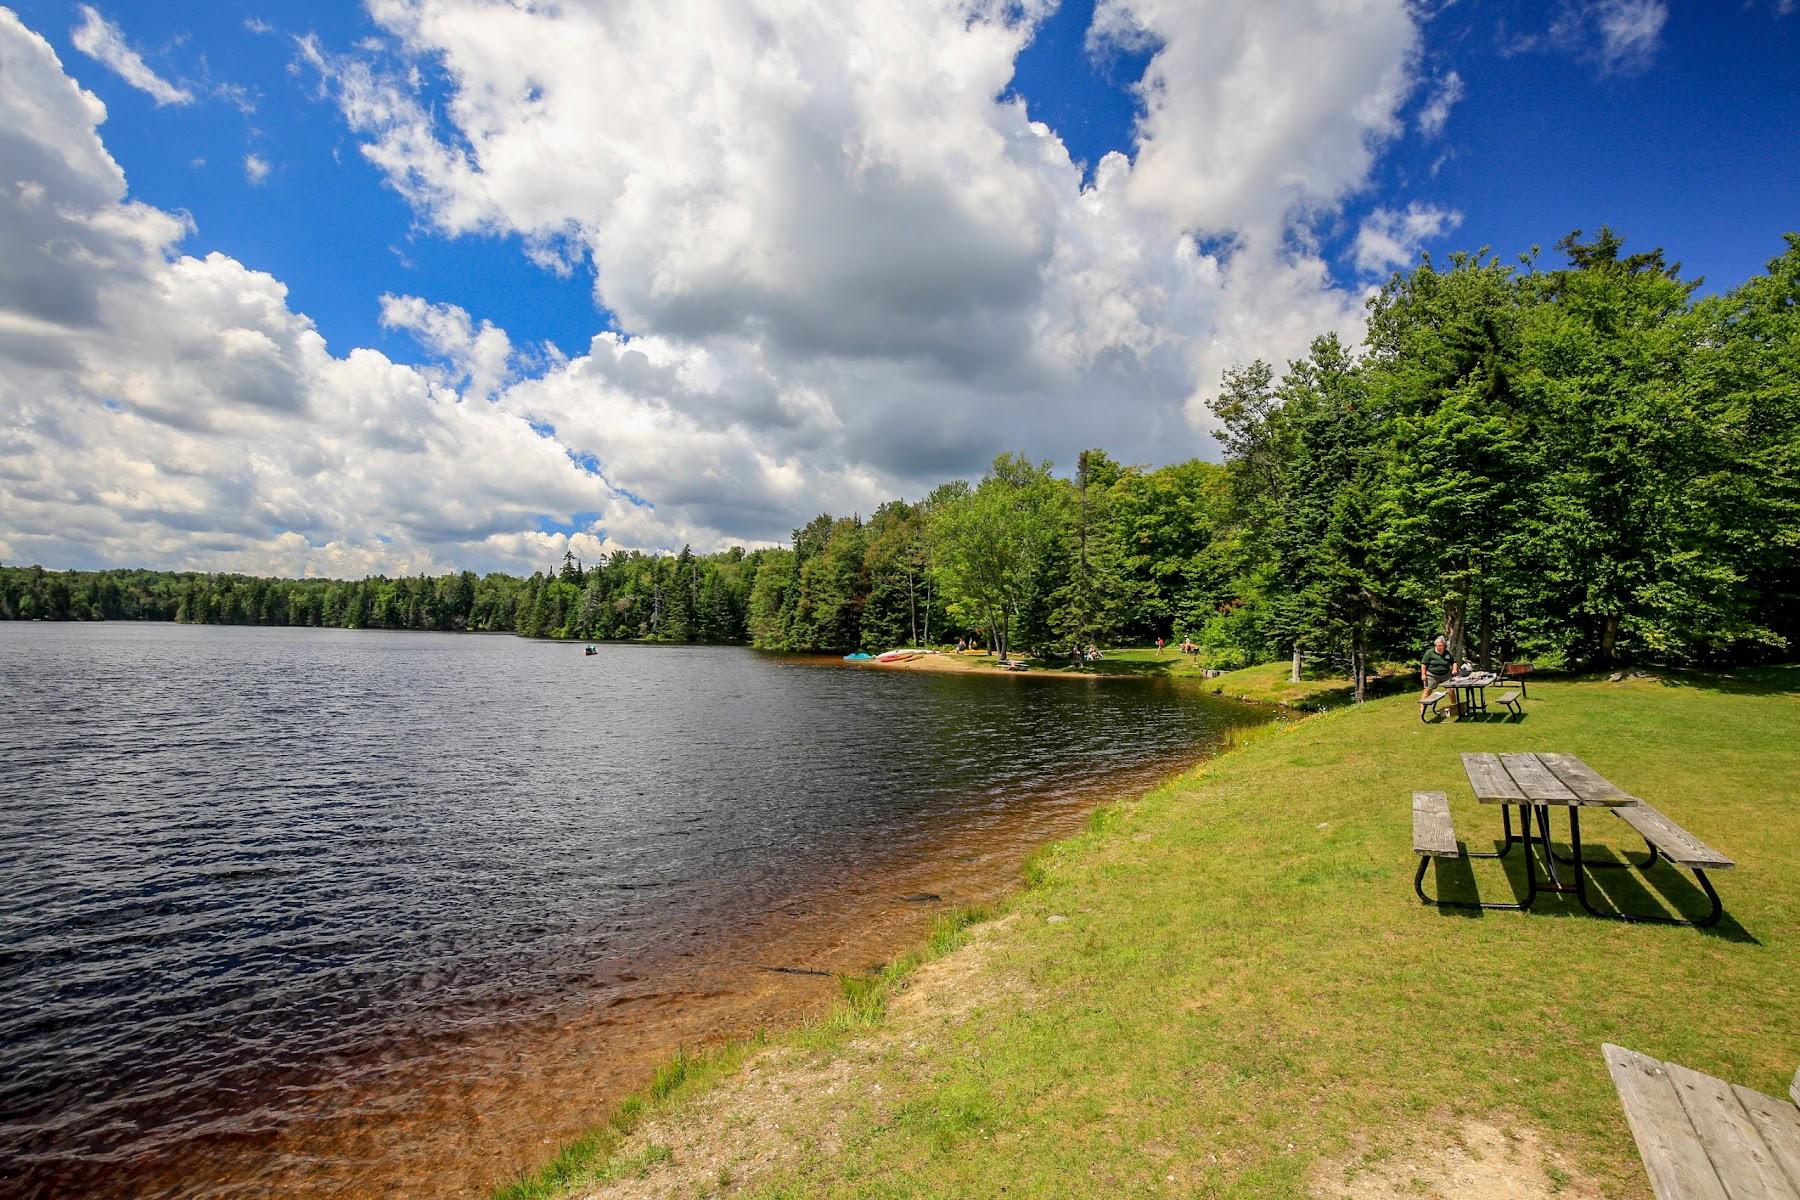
(1477, 1159)
(789, 1103)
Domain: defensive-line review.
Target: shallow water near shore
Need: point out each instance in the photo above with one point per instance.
(332, 913)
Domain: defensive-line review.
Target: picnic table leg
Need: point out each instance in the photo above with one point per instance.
(1711, 918)
(1531, 887)
(1543, 820)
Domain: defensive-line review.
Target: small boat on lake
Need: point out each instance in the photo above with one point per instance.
(592, 650)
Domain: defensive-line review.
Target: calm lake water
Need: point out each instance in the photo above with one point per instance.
(277, 904)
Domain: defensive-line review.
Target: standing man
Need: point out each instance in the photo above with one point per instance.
(1159, 646)
(1435, 666)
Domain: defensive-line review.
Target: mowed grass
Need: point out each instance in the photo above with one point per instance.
(1241, 983)
(1266, 683)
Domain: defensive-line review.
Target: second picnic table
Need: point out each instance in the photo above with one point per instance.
(1536, 783)
(1474, 690)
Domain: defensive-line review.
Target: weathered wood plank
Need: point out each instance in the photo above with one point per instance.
(1779, 1123)
(1587, 783)
(1673, 1156)
(1536, 781)
(1433, 833)
(1743, 1163)
(1794, 1088)
(1677, 844)
(1489, 779)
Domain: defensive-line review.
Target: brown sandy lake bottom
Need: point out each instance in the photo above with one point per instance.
(319, 913)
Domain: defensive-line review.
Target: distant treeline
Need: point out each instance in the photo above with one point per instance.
(627, 595)
(1583, 465)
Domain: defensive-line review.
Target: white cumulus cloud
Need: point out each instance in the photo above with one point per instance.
(842, 264)
(170, 409)
(103, 42)
(1389, 240)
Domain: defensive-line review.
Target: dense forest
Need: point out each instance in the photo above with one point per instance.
(628, 595)
(1582, 465)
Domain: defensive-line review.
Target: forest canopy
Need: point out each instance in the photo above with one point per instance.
(1586, 464)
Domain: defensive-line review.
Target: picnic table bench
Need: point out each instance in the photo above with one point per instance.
(1474, 697)
(1704, 1139)
(1535, 783)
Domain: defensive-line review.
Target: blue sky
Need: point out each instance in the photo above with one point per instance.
(810, 255)
(1693, 149)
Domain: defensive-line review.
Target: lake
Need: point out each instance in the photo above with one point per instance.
(332, 913)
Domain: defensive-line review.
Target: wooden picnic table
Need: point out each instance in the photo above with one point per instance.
(1536, 783)
(1702, 1138)
(1474, 688)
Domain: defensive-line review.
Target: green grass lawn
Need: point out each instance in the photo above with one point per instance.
(1267, 683)
(1240, 982)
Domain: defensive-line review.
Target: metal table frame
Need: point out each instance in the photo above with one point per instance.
(1536, 783)
(1469, 687)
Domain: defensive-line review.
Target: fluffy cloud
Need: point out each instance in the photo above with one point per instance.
(102, 41)
(1254, 108)
(1389, 240)
(882, 262)
(842, 265)
(256, 169)
(169, 409)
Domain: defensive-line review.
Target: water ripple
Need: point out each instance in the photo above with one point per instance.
(242, 868)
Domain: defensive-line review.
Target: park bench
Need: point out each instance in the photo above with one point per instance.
(1704, 1139)
(1511, 700)
(1428, 703)
(1518, 671)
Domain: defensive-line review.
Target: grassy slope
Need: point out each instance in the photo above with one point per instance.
(1245, 982)
(1267, 682)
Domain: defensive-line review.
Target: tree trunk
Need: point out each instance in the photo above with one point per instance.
(912, 605)
(1455, 609)
(928, 595)
(1356, 662)
(1609, 641)
(1486, 656)
(1294, 675)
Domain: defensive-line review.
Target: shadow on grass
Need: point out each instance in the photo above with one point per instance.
(1621, 888)
(1740, 681)
(1627, 888)
(1455, 883)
